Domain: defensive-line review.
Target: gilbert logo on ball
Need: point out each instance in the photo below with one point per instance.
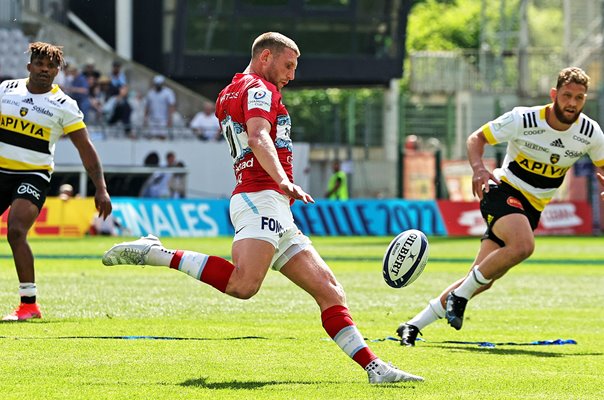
(405, 258)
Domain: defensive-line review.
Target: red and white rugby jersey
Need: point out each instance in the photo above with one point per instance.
(247, 96)
(538, 157)
(31, 124)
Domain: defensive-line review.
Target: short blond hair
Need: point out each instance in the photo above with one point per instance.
(572, 75)
(275, 42)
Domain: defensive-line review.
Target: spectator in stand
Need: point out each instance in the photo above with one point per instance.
(119, 110)
(118, 78)
(178, 183)
(205, 125)
(90, 70)
(99, 95)
(79, 90)
(136, 100)
(159, 107)
(158, 184)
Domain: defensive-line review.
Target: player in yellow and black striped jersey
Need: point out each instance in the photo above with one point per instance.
(34, 114)
(543, 144)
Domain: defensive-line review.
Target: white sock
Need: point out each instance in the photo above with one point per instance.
(160, 256)
(433, 312)
(471, 284)
(27, 289)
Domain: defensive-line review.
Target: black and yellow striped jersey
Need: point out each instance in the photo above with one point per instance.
(31, 124)
(538, 157)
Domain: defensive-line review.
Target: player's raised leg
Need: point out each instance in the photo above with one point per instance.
(308, 270)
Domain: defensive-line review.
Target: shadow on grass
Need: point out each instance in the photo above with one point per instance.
(203, 383)
(516, 351)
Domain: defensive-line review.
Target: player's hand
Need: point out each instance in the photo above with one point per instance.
(601, 179)
(295, 192)
(102, 202)
(480, 182)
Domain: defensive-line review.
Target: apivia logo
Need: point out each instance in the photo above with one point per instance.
(27, 188)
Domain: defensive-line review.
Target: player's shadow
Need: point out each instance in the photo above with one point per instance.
(230, 385)
(516, 351)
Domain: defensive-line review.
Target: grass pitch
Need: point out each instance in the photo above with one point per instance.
(152, 333)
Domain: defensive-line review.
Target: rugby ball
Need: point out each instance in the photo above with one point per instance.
(405, 258)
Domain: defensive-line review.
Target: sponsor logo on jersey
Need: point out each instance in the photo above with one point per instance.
(272, 225)
(259, 98)
(11, 102)
(534, 146)
(23, 111)
(533, 132)
(557, 143)
(573, 154)
(22, 126)
(243, 165)
(543, 169)
(514, 202)
(554, 158)
(42, 111)
(29, 101)
(229, 96)
(580, 139)
(27, 188)
(529, 120)
(12, 84)
(502, 121)
(587, 128)
(54, 103)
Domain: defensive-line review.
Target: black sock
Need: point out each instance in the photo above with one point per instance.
(28, 299)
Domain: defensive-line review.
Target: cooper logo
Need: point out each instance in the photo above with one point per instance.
(27, 188)
(580, 139)
(514, 202)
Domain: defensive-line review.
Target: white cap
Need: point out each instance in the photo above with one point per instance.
(158, 79)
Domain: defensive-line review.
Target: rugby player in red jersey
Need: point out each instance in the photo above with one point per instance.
(257, 127)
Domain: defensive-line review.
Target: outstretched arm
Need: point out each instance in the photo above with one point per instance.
(92, 164)
(481, 175)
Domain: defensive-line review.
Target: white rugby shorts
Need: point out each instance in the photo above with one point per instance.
(266, 215)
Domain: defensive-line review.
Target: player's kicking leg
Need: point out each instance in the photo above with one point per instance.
(308, 270)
